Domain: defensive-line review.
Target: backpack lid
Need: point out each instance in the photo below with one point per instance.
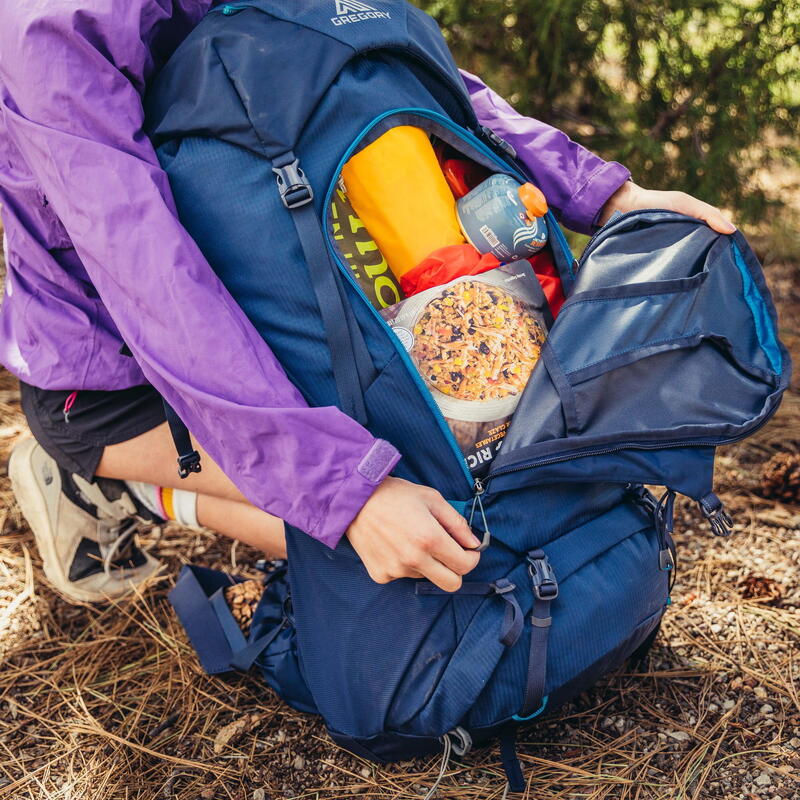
(268, 64)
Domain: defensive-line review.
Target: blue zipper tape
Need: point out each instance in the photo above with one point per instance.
(472, 140)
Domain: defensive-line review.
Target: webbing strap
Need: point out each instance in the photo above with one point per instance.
(190, 599)
(245, 658)
(545, 590)
(350, 358)
(537, 659)
(199, 601)
(508, 754)
(188, 457)
(233, 633)
(513, 620)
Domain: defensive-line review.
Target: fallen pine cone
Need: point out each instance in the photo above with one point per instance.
(242, 599)
(761, 589)
(780, 479)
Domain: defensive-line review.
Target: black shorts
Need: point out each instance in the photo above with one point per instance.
(96, 419)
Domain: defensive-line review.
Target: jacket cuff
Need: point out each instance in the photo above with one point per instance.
(379, 461)
(582, 210)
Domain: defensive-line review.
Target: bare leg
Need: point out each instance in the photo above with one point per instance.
(151, 458)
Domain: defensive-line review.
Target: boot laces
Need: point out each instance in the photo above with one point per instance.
(120, 547)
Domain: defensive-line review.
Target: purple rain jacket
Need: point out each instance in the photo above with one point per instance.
(96, 256)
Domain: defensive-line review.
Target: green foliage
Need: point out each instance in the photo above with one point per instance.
(691, 95)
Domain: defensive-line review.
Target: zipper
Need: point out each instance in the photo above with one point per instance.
(68, 403)
(229, 9)
(627, 446)
(612, 223)
(477, 502)
(472, 140)
(478, 486)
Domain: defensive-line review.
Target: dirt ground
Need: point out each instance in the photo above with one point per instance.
(110, 703)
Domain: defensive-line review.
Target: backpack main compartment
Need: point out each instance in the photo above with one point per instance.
(665, 348)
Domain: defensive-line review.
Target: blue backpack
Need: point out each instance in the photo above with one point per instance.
(665, 348)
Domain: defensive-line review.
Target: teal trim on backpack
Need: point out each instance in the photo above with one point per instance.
(755, 302)
(460, 506)
(536, 713)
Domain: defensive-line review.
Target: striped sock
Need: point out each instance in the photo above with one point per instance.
(167, 503)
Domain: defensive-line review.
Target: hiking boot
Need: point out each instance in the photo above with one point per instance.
(84, 531)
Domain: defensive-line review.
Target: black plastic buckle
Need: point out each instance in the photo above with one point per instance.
(643, 497)
(189, 463)
(293, 185)
(545, 585)
(498, 142)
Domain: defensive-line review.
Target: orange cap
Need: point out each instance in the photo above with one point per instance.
(533, 200)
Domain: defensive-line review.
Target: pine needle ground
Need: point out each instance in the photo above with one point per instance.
(110, 703)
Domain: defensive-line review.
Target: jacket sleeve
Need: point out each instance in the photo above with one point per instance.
(576, 182)
(67, 93)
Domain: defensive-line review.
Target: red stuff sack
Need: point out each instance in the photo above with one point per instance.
(444, 265)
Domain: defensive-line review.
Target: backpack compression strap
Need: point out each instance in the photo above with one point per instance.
(188, 457)
(350, 358)
(545, 590)
(353, 369)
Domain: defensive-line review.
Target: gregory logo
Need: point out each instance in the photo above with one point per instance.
(355, 11)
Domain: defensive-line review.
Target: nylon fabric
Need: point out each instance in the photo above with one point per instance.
(654, 359)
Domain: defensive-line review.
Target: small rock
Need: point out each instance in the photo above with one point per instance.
(299, 762)
(366, 772)
(763, 779)
(207, 794)
(760, 692)
(259, 794)
(680, 736)
(728, 705)
(716, 628)
(766, 709)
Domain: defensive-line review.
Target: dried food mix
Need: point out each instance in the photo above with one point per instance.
(475, 341)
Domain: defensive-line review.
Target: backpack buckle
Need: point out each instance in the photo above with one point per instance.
(498, 142)
(545, 585)
(293, 185)
(189, 463)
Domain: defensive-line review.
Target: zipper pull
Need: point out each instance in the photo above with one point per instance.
(68, 403)
(663, 516)
(714, 511)
(477, 502)
(230, 10)
(497, 142)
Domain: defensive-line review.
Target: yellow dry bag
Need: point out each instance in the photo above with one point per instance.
(397, 188)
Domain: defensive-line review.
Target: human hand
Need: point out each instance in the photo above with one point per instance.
(406, 530)
(630, 197)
